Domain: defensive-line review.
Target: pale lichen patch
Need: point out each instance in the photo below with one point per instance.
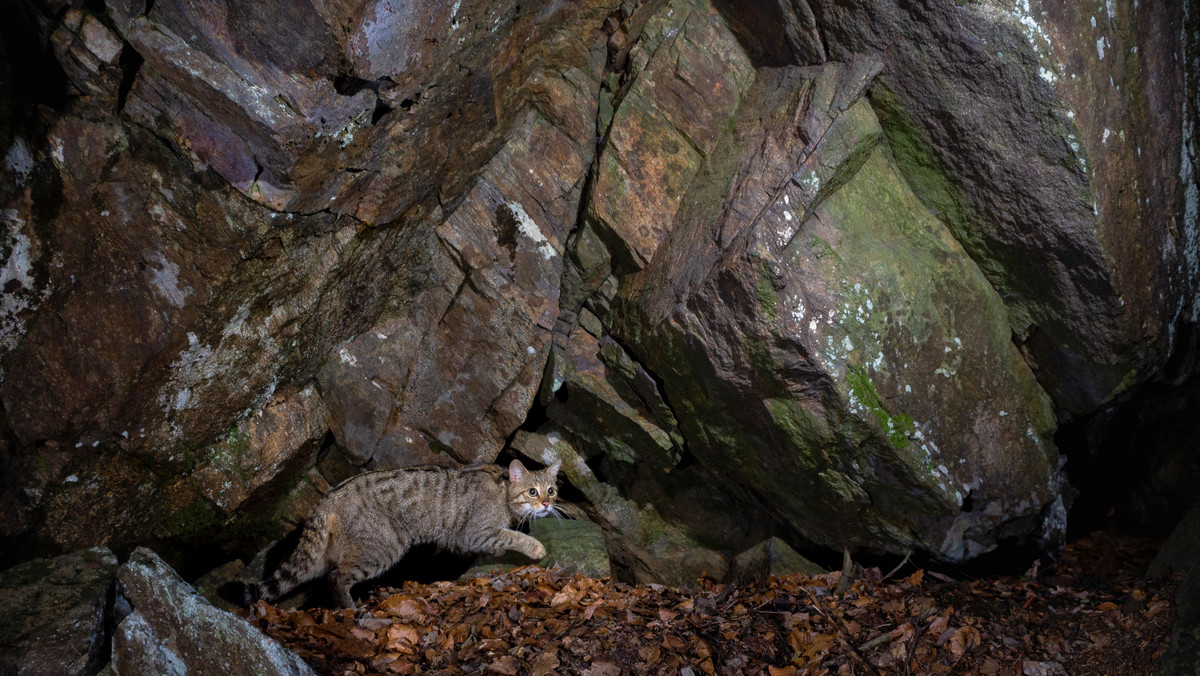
(530, 229)
(16, 277)
(19, 160)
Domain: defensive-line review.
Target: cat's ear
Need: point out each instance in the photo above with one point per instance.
(516, 471)
(552, 470)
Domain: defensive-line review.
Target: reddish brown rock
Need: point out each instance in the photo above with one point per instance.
(157, 307)
(809, 265)
(687, 76)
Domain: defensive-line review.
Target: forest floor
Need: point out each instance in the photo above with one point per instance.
(1092, 612)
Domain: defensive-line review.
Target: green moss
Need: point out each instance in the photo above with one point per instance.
(820, 248)
(852, 138)
(800, 427)
(768, 300)
(898, 427)
(849, 491)
(926, 176)
(228, 455)
(193, 520)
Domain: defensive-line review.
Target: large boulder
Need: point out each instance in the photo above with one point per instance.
(175, 348)
(1052, 140)
(1179, 554)
(783, 272)
(828, 344)
(859, 295)
(1182, 657)
(54, 614)
(170, 629)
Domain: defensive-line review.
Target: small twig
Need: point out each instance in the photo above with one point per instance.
(855, 654)
(897, 568)
(923, 623)
(816, 603)
(770, 612)
(875, 642)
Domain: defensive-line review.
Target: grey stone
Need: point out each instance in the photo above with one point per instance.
(1182, 657)
(1181, 551)
(53, 613)
(174, 630)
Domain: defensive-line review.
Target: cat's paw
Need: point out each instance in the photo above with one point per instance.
(537, 551)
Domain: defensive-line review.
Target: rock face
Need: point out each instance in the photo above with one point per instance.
(1182, 656)
(54, 613)
(790, 274)
(574, 546)
(1066, 205)
(169, 629)
(870, 356)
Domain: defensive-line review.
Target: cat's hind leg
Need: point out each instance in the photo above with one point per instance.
(357, 562)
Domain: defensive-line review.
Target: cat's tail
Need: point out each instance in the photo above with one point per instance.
(308, 561)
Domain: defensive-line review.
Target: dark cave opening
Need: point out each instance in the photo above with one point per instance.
(1133, 464)
(39, 80)
(1131, 470)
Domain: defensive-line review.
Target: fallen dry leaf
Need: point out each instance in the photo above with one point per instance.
(544, 664)
(603, 669)
(541, 622)
(963, 640)
(402, 637)
(506, 665)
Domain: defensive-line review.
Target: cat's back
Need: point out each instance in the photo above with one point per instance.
(411, 488)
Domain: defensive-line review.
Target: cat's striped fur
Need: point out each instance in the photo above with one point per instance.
(366, 524)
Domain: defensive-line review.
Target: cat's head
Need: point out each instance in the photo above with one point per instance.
(532, 493)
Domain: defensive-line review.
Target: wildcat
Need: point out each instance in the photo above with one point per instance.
(366, 524)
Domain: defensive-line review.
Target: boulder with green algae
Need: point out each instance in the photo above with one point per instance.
(1182, 657)
(54, 613)
(572, 545)
(826, 343)
(1054, 141)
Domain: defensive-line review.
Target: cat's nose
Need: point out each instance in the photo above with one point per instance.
(545, 503)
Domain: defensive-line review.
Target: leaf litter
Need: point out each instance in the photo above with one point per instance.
(1091, 612)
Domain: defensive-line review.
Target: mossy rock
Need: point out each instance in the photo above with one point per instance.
(575, 546)
(53, 613)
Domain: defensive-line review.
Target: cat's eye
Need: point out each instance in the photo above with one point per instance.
(533, 491)
(549, 491)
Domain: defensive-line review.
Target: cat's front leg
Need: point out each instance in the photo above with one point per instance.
(528, 545)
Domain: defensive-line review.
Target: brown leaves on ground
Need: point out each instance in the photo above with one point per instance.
(1091, 613)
